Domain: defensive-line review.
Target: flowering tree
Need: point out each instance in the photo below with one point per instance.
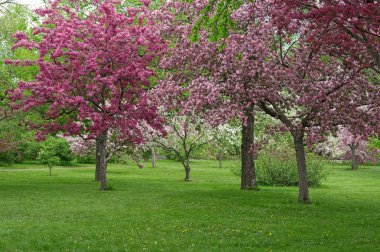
(185, 134)
(81, 147)
(330, 148)
(355, 147)
(12, 19)
(86, 147)
(94, 72)
(345, 145)
(227, 142)
(311, 92)
(353, 142)
(287, 77)
(193, 68)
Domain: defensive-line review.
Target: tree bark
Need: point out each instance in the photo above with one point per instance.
(154, 164)
(97, 153)
(354, 163)
(248, 174)
(301, 165)
(219, 157)
(103, 162)
(187, 169)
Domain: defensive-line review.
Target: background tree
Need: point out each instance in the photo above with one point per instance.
(12, 133)
(227, 142)
(356, 148)
(85, 149)
(185, 135)
(54, 151)
(47, 156)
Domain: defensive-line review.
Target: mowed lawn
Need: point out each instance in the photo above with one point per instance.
(155, 210)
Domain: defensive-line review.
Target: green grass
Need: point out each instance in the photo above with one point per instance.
(155, 210)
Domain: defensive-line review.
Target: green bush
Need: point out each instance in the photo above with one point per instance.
(6, 158)
(276, 165)
(87, 159)
(27, 150)
(56, 147)
(279, 168)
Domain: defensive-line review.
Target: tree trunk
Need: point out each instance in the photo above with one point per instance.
(354, 163)
(50, 170)
(219, 157)
(154, 164)
(187, 169)
(248, 175)
(301, 165)
(97, 153)
(103, 162)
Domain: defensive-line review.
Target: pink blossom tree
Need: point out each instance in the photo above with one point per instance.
(311, 93)
(287, 77)
(347, 146)
(353, 142)
(189, 67)
(355, 147)
(94, 72)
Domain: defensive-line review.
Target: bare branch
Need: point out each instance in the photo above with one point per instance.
(3, 2)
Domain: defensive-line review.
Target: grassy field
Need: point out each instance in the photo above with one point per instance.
(155, 210)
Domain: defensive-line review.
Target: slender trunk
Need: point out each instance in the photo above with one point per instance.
(97, 153)
(50, 170)
(187, 169)
(219, 157)
(103, 162)
(136, 158)
(301, 165)
(354, 163)
(248, 175)
(154, 157)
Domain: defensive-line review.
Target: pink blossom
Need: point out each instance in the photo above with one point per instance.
(93, 77)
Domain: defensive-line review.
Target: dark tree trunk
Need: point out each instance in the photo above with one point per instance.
(248, 175)
(354, 163)
(97, 153)
(301, 165)
(187, 169)
(103, 162)
(154, 164)
(50, 170)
